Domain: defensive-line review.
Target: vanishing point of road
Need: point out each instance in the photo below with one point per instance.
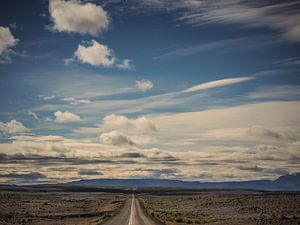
(132, 214)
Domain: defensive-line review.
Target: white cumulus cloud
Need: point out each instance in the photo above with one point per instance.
(64, 117)
(144, 85)
(12, 127)
(79, 17)
(7, 41)
(115, 138)
(97, 54)
(141, 123)
(126, 64)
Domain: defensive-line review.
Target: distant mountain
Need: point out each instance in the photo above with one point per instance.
(289, 182)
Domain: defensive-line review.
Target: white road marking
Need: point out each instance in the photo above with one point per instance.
(131, 219)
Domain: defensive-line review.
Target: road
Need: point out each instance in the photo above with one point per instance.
(132, 214)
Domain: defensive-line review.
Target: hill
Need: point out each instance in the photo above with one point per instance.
(289, 182)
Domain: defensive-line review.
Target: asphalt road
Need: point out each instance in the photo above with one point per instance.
(132, 214)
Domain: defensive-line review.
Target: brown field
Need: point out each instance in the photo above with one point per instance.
(57, 208)
(224, 208)
(172, 207)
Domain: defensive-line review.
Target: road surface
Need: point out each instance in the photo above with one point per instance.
(132, 214)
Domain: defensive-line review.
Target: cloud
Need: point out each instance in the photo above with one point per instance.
(115, 138)
(24, 176)
(133, 155)
(154, 173)
(126, 64)
(33, 114)
(144, 85)
(233, 117)
(282, 17)
(13, 127)
(142, 140)
(77, 17)
(244, 125)
(38, 139)
(53, 146)
(161, 156)
(57, 155)
(140, 123)
(217, 83)
(255, 133)
(89, 172)
(277, 171)
(7, 41)
(265, 132)
(64, 117)
(221, 46)
(47, 97)
(97, 54)
(251, 168)
(75, 101)
(289, 62)
(276, 92)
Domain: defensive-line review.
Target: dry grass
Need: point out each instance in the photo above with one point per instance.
(57, 208)
(221, 207)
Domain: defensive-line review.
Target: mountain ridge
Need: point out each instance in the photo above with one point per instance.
(288, 182)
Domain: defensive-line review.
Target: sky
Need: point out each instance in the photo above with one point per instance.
(173, 89)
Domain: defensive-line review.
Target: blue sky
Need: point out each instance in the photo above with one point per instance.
(184, 84)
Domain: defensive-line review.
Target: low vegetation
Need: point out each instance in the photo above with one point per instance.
(57, 208)
(225, 207)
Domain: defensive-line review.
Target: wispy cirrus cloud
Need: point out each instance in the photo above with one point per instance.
(221, 46)
(282, 17)
(217, 83)
(75, 101)
(286, 92)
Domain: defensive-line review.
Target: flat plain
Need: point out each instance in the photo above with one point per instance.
(169, 206)
(70, 208)
(224, 207)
